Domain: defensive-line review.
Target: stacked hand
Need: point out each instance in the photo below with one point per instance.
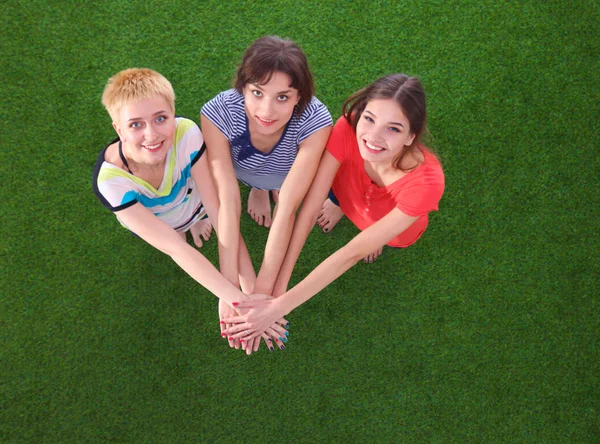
(253, 319)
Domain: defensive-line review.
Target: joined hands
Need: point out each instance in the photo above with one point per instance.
(250, 320)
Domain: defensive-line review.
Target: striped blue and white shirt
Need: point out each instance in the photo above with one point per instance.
(253, 167)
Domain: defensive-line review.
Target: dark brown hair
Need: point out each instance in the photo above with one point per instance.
(271, 54)
(408, 93)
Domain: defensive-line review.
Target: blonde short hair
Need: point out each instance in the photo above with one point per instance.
(135, 84)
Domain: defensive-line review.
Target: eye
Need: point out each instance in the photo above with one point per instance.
(161, 119)
(368, 119)
(135, 125)
(282, 98)
(394, 129)
(257, 93)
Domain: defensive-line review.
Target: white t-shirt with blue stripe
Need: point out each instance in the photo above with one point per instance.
(177, 201)
(253, 167)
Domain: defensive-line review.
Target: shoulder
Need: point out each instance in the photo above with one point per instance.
(428, 177)
(315, 109)
(431, 164)
(111, 154)
(342, 140)
(224, 101)
(183, 126)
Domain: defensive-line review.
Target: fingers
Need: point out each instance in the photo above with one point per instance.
(277, 339)
(268, 341)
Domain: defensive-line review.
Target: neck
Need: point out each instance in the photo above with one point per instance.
(135, 165)
(380, 168)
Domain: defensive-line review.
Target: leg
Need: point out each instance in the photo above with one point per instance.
(201, 230)
(259, 207)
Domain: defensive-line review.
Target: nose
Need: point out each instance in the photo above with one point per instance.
(149, 132)
(266, 109)
(377, 134)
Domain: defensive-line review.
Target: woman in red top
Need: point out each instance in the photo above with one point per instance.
(386, 183)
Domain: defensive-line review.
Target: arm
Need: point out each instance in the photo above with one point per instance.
(292, 192)
(262, 313)
(233, 255)
(306, 218)
(146, 225)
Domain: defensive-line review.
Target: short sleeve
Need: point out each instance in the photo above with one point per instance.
(340, 139)
(315, 117)
(189, 141)
(113, 190)
(422, 193)
(216, 110)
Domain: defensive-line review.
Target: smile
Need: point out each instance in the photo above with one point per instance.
(372, 147)
(265, 122)
(153, 148)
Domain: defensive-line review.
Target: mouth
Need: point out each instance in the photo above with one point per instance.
(153, 148)
(373, 148)
(265, 122)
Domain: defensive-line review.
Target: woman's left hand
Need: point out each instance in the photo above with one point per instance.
(264, 316)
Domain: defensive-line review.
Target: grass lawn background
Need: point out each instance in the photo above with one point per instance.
(486, 330)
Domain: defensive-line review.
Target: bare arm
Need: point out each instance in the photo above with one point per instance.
(306, 218)
(146, 225)
(262, 313)
(233, 255)
(292, 192)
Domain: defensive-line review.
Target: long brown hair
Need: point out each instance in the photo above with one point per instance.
(408, 93)
(273, 54)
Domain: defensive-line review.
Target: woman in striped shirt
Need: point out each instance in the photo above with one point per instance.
(268, 132)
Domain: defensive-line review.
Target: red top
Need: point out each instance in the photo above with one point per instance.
(364, 202)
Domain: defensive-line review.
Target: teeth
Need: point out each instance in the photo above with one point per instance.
(266, 120)
(373, 147)
(152, 147)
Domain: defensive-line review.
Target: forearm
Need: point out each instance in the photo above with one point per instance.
(247, 275)
(305, 222)
(203, 272)
(229, 241)
(275, 250)
(328, 271)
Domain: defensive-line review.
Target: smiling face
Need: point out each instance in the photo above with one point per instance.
(382, 131)
(269, 107)
(146, 128)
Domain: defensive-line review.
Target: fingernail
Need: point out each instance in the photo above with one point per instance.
(222, 322)
(281, 339)
(235, 304)
(282, 347)
(287, 325)
(241, 340)
(284, 339)
(223, 334)
(271, 348)
(269, 339)
(231, 339)
(287, 333)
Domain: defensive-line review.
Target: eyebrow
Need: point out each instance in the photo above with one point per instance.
(391, 123)
(287, 91)
(141, 118)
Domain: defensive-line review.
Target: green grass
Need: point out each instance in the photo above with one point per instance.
(485, 331)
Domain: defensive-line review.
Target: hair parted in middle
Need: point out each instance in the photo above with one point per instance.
(407, 92)
(271, 54)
